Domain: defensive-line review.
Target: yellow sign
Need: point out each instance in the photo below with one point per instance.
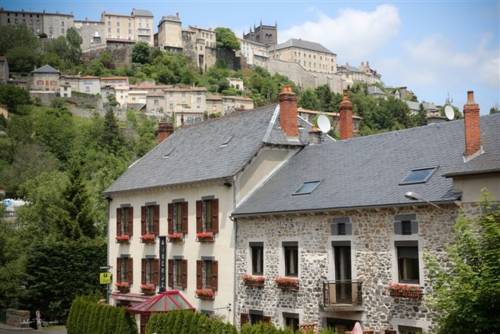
(105, 278)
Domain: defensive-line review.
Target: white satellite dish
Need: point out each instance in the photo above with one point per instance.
(449, 112)
(324, 124)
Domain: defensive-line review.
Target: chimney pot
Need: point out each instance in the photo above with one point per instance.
(471, 126)
(164, 131)
(345, 111)
(288, 111)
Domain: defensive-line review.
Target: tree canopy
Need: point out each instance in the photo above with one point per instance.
(226, 39)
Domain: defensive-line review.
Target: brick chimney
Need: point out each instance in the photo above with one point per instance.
(471, 126)
(345, 111)
(164, 131)
(288, 112)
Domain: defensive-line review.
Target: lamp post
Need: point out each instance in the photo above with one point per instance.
(417, 197)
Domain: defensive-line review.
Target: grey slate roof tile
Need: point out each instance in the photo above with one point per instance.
(300, 43)
(196, 155)
(46, 69)
(366, 171)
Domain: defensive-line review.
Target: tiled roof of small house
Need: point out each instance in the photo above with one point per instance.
(368, 171)
(46, 69)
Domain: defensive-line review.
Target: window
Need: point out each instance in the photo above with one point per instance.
(291, 253)
(408, 266)
(307, 188)
(291, 321)
(207, 215)
(420, 175)
(124, 218)
(177, 273)
(406, 224)
(177, 217)
(409, 330)
(150, 217)
(257, 255)
(150, 268)
(206, 274)
(124, 269)
(341, 226)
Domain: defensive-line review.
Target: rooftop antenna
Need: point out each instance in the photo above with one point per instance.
(448, 109)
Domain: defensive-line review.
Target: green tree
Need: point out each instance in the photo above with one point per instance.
(309, 100)
(12, 97)
(466, 294)
(141, 53)
(226, 39)
(74, 41)
(112, 138)
(22, 59)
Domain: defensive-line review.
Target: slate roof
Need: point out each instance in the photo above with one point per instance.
(46, 69)
(195, 152)
(299, 43)
(367, 171)
(141, 12)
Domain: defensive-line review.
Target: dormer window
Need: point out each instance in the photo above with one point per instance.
(420, 175)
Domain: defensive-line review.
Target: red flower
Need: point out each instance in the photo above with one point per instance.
(291, 283)
(148, 238)
(205, 294)
(405, 290)
(175, 236)
(122, 286)
(253, 280)
(205, 236)
(122, 238)
(148, 286)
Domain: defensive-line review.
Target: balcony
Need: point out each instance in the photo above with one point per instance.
(342, 296)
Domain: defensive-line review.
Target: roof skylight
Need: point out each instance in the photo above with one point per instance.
(420, 175)
(307, 188)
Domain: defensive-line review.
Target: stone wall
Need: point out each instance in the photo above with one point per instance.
(373, 263)
(304, 78)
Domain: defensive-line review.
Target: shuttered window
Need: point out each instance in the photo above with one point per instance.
(405, 224)
(207, 274)
(124, 270)
(177, 274)
(124, 221)
(178, 217)
(150, 271)
(150, 219)
(341, 226)
(207, 215)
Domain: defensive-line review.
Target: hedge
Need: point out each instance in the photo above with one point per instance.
(86, 316)
(189, 322)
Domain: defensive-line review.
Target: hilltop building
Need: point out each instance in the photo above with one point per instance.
(136, 27)
(362, 74)
(4, 69)
(264, 34)
(44, 24)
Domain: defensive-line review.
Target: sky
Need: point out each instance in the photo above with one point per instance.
(435, 48)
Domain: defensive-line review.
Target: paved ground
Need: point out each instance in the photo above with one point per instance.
(50, 330)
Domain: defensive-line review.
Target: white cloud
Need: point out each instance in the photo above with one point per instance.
(353, 34)
(434, 60)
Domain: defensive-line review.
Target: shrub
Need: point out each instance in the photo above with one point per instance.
(86, 316)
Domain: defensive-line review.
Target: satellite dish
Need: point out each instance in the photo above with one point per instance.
(449, 112)
(324, 124)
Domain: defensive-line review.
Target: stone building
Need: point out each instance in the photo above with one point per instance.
(170, 33)
(199, 44)
(338, 234)
(362, 74)
(264, 34)
(51, 25)
(136, 27)
(93, 34)
(186, 104)
(214, 105)
(312, 56)
(179, 198)
(254, 53)
(45, 78)
(233, 103)
(4, 69)
(120, 87)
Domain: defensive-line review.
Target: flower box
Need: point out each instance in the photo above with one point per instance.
(122, 238)
(173, 237)
(206, 294)
(205, 236)
(122, 286)
(287, 283)
(148, 238)
(253, 280)
(148, 288)
(405, 290)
